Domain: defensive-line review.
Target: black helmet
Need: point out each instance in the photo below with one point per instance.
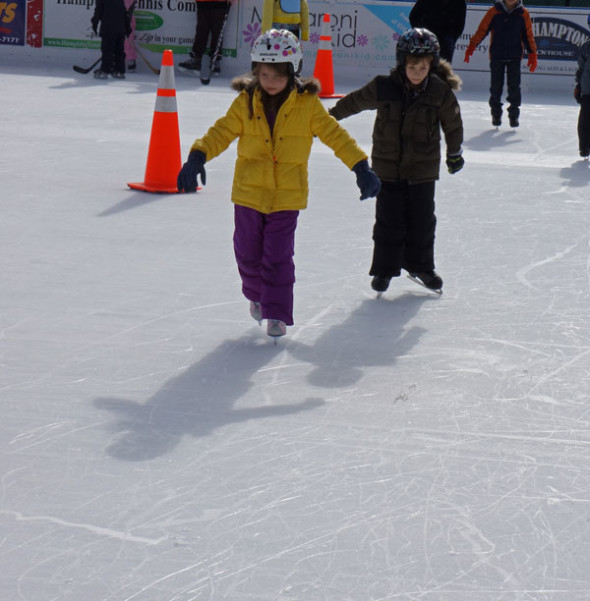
(418, 42)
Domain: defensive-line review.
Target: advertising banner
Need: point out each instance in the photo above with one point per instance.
(12, 22)
(160, 25)
(364, 33)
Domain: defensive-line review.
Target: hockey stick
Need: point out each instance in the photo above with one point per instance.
(153, 69)
(206, 80)
(145, 60)
(83, 70)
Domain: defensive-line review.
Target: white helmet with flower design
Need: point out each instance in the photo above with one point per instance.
(278, 46)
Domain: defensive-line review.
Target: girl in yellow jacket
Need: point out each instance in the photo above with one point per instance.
(275, 117)
(292, 15)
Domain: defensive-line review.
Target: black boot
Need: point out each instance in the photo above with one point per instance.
(430, 279)
(380, 283)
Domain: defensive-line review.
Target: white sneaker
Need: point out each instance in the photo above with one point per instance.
(276, 328)
(256, 312)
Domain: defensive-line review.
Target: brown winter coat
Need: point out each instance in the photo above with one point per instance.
(406, 134)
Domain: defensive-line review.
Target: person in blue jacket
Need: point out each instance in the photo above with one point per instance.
(511, 32)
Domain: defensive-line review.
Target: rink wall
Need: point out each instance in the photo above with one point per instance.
(364, 34)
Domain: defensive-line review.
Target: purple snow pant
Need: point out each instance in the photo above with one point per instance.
(264, 246)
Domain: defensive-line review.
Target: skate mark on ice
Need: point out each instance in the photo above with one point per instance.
(522, 273)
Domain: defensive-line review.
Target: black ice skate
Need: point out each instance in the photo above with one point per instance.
(380, 283)
(430, 280)
(192, 65)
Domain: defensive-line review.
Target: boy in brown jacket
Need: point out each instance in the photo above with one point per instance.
(413, 102)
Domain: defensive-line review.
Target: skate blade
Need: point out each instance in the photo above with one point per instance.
(420, 283)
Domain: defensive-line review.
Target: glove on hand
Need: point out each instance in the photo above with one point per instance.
(469, 52)
(187, 178)
(94, 23)
(532, 62)
(578, 93)
(455, 163)
(369, 184)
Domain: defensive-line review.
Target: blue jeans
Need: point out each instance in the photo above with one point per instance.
(512, 70)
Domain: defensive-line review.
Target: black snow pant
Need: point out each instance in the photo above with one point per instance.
(112, 47)
(210, 16)
(512, 69)
(404, 229)
(584, 124)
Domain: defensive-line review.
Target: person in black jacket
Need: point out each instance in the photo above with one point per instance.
(445, 18)
(115, 24)
(413, 103)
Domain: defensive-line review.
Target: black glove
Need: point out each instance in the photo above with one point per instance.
(455, 162)
(187, 178)
(369, 184)
(578, 93)
(94, 22)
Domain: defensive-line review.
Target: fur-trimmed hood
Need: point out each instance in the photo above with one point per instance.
(446, 73)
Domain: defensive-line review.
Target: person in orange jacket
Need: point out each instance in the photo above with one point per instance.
(509, 24)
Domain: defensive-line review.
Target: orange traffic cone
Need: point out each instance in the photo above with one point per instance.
(324, 70)
(163, 161)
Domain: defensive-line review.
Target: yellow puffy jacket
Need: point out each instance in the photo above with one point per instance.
(271, 170)
(273, 15)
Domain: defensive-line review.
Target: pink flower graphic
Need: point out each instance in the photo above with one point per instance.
(251, 32)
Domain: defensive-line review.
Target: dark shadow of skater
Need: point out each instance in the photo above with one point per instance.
(195, 402)
(373, 335)
(578, 175)
(491, 138)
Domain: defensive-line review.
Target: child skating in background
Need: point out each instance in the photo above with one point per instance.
(413, 102)
(275, 117)
(509, 24)
(292, 15)
(582, 96)
(115, 25)
(130, 41)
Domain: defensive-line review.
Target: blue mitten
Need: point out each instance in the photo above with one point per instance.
(366, 179)
(187, 178)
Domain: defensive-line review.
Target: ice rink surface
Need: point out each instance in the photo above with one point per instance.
(156, 445)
